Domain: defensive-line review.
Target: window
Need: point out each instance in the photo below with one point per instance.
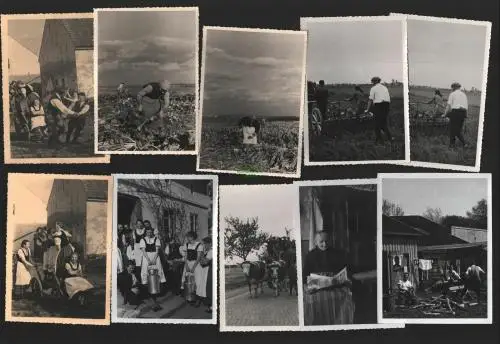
(193, 220)
(169, 222)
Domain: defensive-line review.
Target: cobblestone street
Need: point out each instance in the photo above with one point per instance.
(266, 310)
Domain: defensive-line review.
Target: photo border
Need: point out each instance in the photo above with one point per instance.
(301, 110)
(489, 268)
(114, 275)
(303, 26)
(9, 260)
(96, 77)
(8, 159)
(313, 328)
(482, 105)
(222, 274)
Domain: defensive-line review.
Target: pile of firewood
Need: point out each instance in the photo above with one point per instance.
(440, 305)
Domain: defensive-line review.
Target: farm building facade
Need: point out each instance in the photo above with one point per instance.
(82, 208)
(173, 207)
(67, 54)
(424, 249)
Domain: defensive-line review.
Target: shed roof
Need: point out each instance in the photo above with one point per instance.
(96, 189)
(392, 226)
(81, 31)
(451, 247)
(438, 234)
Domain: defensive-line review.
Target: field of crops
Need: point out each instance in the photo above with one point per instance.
(277, 151)
(359, 144)
(430, 144)
(118, 130)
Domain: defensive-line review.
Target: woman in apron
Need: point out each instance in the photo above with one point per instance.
(138, 234)
(192, 252)
(23, 276)
(150, 246)
(206, 264)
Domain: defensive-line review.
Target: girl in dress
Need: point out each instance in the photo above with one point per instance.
(150, 247)
(38, 124)
(192, 253)
(438, 102)
(23, 276)
(137, 235)
(206, 264)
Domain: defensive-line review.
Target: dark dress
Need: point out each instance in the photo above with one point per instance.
(125, 285)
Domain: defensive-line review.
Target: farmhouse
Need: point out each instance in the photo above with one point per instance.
(173, 210)
(82, 207)
(349, 213)
(66, 55)
(472, 235)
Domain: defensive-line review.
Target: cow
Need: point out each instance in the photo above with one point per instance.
(292, 277)
(255, 274)
(277, 273)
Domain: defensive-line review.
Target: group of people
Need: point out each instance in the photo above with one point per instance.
(61, 112)
(181, 269)
(378, 103)
(456, 109)
(59, 257)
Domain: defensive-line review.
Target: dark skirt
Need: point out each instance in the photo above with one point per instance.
(329, 307)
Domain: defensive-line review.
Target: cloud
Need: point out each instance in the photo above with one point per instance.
(265, 61)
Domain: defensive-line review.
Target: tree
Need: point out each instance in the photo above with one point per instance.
(240, 237)
(433, 214)
(391, 209)
(479, 213)
(277, 246)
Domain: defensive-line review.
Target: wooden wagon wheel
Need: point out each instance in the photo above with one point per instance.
(315, 122)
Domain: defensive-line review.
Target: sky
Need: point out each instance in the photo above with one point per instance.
(454, 196)
(253, 73)
(28, 32)
(272, 204)
(441, 53)
(355, 51)
(162, 47)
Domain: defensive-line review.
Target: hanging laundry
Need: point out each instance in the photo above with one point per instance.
(425, 264)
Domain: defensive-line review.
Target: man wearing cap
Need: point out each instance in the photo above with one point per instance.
(379, 103)
(321, 95)
(56, 112)
(156, 91)
(456, 110)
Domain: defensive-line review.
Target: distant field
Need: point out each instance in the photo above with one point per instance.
(134, 89)
(432, 145)
(359, 145)
(222, 148)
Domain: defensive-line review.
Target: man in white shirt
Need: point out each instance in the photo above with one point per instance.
(405, 289)
(77, 123)
(379, 103)
(456, 110)
(56, 113)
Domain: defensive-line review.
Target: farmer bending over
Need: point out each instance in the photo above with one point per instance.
(156, 91)
(379, 103)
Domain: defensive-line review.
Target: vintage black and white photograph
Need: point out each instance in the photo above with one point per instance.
(252, 95)
(48, 88)
(436, 248)
(258, 258)
(58, 238)
(447, 90)
(147, 80)
(338, 249)
(356, 91)
(165, 249)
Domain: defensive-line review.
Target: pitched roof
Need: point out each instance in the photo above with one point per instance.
(96, 189)
(438, 235)
(449, 247)
(81, 31)
(392, 226)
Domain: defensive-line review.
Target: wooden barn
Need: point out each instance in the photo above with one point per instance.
(173, 207)
(82, 207)
(350, 213)
(66, 55)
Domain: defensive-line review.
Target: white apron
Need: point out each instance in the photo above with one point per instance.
(249, 136)
(23, 276)
(144, 264)
(198, 271)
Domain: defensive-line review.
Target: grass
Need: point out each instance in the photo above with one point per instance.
(432, 144)
(358, 143)
(277, 151)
